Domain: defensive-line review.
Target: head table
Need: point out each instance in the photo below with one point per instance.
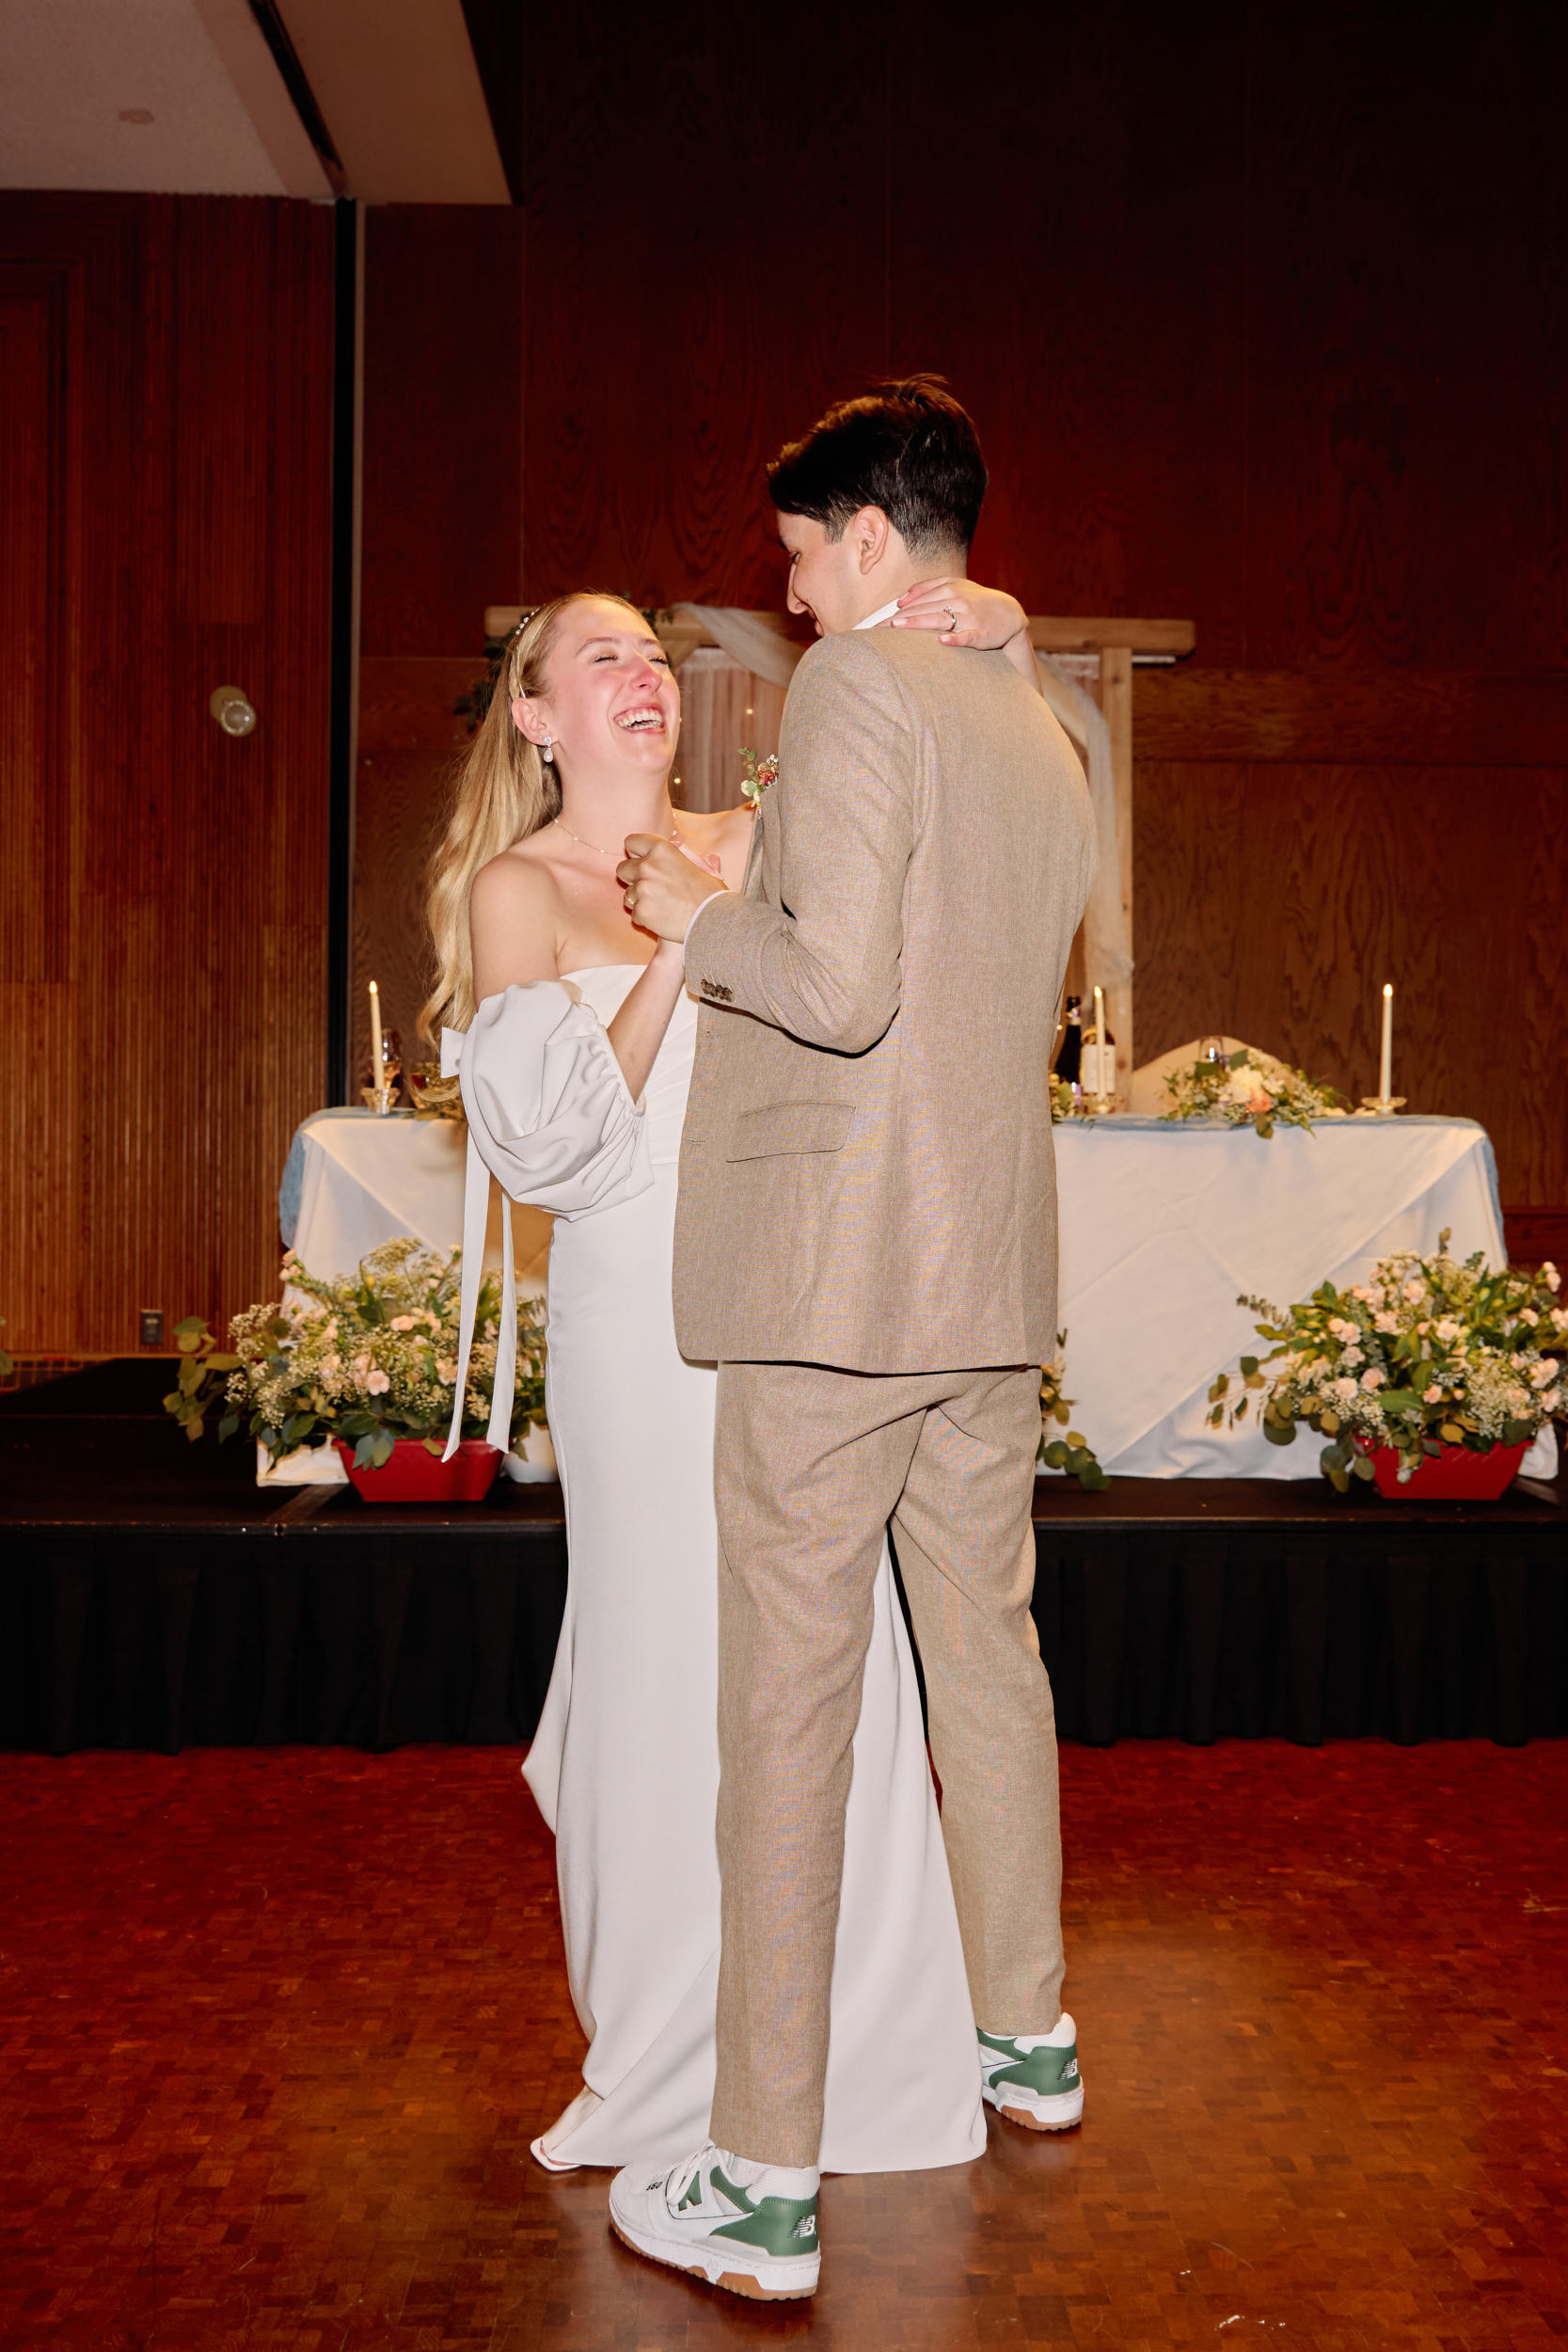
(1163, 1226)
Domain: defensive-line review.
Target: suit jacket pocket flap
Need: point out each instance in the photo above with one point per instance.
(784, 1127)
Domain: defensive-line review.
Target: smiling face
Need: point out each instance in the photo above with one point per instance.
(611, 702)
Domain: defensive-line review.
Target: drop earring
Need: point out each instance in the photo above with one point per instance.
(547, 754)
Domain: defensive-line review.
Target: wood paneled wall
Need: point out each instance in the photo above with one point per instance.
(1262, 315)
(164, 398)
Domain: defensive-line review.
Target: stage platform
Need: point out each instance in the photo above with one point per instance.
(153, 1596)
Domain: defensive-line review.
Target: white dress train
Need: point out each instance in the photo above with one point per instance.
(624, 1763)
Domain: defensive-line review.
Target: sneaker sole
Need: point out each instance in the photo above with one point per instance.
(1057, 2114)
(677, 2252)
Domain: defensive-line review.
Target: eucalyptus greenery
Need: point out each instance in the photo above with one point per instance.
(1251, 1089)
(1427, 1354)
(367, 1357)
(1073, 1452)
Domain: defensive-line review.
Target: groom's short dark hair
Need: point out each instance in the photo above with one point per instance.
(908, 448)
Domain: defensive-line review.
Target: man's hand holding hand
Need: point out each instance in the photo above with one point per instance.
(664, 886)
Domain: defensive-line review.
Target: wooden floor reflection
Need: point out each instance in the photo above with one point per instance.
(278, 2028)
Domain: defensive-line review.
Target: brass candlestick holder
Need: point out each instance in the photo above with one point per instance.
(1382, 1105)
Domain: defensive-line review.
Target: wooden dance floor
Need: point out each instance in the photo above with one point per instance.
(280, 2027)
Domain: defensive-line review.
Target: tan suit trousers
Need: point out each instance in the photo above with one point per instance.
(810, 1464)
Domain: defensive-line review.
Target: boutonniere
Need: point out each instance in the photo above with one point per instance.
(760, 773)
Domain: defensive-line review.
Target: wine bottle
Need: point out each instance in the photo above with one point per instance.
(1097, 1068)
(1070, 1057)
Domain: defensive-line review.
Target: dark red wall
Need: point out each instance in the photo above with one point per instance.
(1263, 316)
(165, 403)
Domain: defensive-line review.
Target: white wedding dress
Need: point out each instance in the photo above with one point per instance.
(624, 1763)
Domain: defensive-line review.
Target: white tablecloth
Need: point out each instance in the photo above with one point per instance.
(353, 1181)
(1163, 1227)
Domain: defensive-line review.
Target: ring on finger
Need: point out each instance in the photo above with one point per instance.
(952, 616)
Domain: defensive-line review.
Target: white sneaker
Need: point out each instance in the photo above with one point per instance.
(751, 2228)
(543, 2149)
(1033, 2078)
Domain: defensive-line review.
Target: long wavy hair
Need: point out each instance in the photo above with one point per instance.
(502, 792)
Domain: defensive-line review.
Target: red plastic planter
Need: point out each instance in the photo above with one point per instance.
(1455, 1475)
(416, 1475)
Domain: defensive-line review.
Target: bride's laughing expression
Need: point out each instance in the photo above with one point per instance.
(611, 700)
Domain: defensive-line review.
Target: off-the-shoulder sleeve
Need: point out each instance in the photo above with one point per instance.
(550, 1117)
(549, 1109)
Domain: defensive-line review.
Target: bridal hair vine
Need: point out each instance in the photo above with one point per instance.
(518, 689)
(760, 774)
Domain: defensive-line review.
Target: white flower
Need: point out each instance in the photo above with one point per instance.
(1414, 1291)
(361, 1366)
(1543, 1375)
(1527, 1314)
(1385, 1322)
(1552, 1400)
(1559, 1318)
(1345, 1389)
(331, 1367)
(1364, 1293)
(1550, 1275)
(378, 1384)
(1353, 1356)
(446, 1371)
(1447, 1330)
(402, 1322)
(1373, 1378)
(1342, 1329)
(1431, 1396)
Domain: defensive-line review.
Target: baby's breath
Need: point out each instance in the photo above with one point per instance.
(373, 1356)
(1428, 1353)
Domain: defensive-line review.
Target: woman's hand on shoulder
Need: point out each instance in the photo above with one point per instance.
(514, 919)
(982, 620)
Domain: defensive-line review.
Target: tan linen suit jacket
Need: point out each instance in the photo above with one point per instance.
(866, 1176)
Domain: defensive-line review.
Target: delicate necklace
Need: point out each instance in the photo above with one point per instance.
(593, 845)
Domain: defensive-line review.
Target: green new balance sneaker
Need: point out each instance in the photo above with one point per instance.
(1033, 2078)
(751, 2228)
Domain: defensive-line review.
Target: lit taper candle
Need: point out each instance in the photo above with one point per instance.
(1385, 1067)
(376, 1078)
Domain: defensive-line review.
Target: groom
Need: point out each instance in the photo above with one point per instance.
(866, 1245)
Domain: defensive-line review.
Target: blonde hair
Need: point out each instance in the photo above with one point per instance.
(502, 792)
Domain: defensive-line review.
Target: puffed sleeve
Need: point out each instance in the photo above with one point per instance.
(548, 1106)
(551, 1118)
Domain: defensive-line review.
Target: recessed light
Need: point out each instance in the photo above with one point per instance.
(135, 114)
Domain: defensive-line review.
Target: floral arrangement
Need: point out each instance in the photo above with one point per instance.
(367, 1357)
(1061, 1098)
(1427, 1353)
(1251, 1089)
(1073, 1453)
(760, 775)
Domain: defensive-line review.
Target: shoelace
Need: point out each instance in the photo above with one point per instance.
(680, 2180)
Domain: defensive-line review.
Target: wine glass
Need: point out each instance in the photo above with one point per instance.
(380, 1090)
(1212, 1049)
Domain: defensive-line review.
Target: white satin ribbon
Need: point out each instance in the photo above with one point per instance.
(476, 1211)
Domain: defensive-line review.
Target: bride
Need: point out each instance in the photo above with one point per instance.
(575, 1064)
